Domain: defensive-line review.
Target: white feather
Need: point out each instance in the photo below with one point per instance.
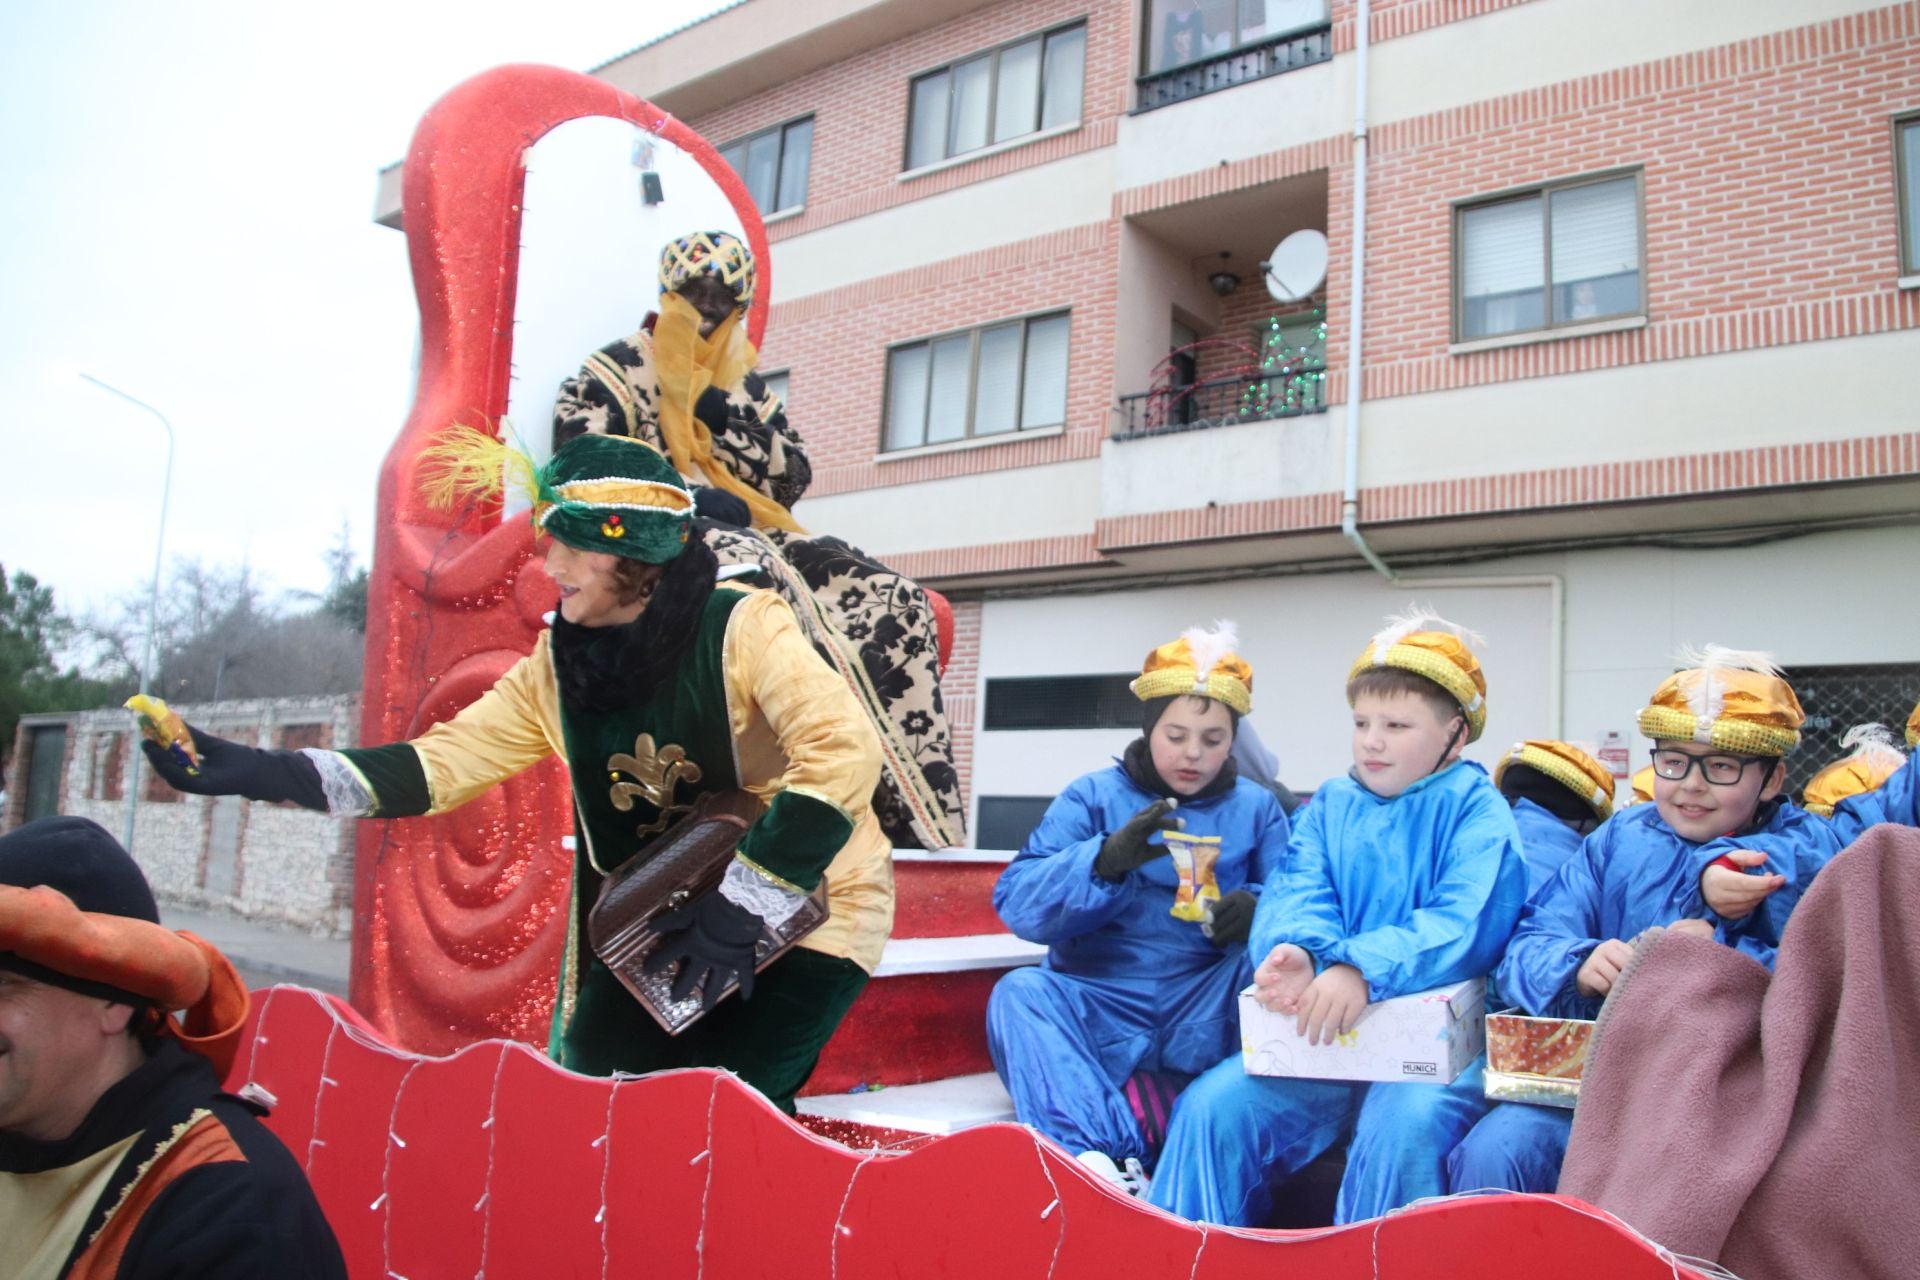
(1209, 647)
(1873, 742)
(1700, 680)
(1420, 618)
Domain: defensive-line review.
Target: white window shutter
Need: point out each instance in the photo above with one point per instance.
(1500, 248)
(1596, 231)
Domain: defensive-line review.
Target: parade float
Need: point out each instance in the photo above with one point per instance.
(442, 1142)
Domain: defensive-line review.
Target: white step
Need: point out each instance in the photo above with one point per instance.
(939, 1106)
(967, 952)
(999, 857)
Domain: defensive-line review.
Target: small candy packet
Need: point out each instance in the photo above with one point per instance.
(1194, 858)
(162, 726)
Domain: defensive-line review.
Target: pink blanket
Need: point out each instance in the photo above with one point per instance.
(1770, 1122)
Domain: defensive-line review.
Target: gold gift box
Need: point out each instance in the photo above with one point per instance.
(1536, 1060)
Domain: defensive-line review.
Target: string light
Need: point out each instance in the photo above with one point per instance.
(290, 1076)
(1299, 369)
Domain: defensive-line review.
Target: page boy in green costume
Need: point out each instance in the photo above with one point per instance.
(655, 684)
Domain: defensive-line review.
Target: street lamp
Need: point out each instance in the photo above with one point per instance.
(153, 592)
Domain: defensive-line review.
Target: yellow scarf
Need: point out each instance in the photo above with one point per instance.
(685, 365)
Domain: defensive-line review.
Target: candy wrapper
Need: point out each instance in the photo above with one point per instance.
(162, 726)
(1537, 1060)
(1194, 858)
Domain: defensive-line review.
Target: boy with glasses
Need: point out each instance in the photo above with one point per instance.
(1722, 728)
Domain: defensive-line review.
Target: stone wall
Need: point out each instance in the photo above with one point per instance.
(274, 863)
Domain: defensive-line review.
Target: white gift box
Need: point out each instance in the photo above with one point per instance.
(1429, 1036)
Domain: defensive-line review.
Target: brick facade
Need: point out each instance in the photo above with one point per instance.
(836, 347)
(1769, 209)
(859, 109)
(1769, 191)
(1769, 224)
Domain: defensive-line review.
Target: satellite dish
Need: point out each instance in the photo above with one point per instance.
(1298, 265)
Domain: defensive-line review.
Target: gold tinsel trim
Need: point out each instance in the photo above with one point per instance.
(1666, 724)
(1169, 681)
(1440, 670)
(1563, 771)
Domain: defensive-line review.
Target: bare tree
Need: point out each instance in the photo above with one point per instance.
(218, 635)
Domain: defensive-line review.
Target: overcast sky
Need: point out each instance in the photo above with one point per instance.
(188, 215)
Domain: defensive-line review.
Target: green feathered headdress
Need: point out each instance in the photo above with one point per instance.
(597, 493)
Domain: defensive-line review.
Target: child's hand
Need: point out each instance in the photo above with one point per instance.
(1333, 1003)
(1282, 978)
(1129, 848)
(1698, 928)
(1602, 969)
(1732, 894)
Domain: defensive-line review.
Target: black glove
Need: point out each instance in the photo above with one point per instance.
(712, 941)
(712, 409)
(1127, 848)
(229, 769)
(1231, 920)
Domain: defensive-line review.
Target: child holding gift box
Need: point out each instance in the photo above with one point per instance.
(1144, 957)
(1722, 728)
(1402, 876)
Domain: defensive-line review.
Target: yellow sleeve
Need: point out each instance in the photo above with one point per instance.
(509, 728)
(805, 745)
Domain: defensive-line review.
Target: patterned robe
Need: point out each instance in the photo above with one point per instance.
(872, 625)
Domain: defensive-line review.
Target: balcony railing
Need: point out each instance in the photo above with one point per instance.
(1222, 402)
(1289, 52)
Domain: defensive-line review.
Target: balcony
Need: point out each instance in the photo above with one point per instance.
(1272, 56)
(1223, 402)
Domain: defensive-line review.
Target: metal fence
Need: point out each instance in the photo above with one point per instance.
(1222, 402)
(1837, 698)
(1288, 52)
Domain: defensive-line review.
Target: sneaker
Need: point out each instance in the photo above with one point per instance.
(1130, 1177)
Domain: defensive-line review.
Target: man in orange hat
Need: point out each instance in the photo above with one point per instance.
(119, 1155)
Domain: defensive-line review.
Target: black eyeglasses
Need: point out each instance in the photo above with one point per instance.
(1720, 771)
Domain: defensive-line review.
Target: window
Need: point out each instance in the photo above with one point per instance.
(996, 96)
(1061, 702)
(982, 382)
(1184, 31)
(774, 164)
(1562, 254)
(1906, 165)
(1005, 822)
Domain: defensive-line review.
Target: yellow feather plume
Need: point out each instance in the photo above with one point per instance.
(467, 463)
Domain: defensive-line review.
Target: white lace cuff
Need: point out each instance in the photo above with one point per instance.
(745, 887)
(346, 792)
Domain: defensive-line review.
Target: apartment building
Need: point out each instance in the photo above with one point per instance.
(1594, 326)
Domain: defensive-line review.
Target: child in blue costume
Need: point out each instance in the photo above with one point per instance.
(1752, 889)
(1402, 876)
(1559, 794)
(1126, 985)
(1721, 729)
